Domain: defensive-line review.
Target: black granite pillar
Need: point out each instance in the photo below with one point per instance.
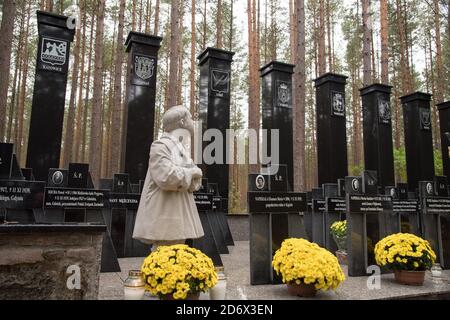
(140, 102)
(377, 129)
(47, 110)
(277, 112)
(444, 123)
(215, 82)
(331, 128)
(418, 138)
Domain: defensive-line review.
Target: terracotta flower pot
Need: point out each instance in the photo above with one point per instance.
(190, 296)
(302, 290)
(412, 278)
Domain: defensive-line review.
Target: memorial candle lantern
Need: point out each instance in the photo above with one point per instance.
(219, 291)
(134, 286)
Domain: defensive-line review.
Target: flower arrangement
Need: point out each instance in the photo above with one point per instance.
(302, 262)
(404, 251)
(178, 270)
(339, 232)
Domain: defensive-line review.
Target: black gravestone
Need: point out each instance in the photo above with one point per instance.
(214, 109)
(121, 183)
(331, 128)
(140, 102)
(78, 175)
(258, 182)
(444, 125)
(318, 217)
(47, 110)
(57, 178)
(16, 172)
(6, 155)
(334, 210)
(276, 78)
(274, 217)
(27, 173)
(418, 138)
(377, 129)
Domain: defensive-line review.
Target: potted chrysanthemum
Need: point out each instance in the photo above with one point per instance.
(178, 272)
(408, 255)
(339, 232)
(305, 267)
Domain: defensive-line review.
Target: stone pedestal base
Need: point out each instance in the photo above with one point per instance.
(49, 261)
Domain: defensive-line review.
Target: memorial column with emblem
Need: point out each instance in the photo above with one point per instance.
(140, 102)
(47, 110)
(444, 124)
(331, 128)
(214, 111)
(418, 138)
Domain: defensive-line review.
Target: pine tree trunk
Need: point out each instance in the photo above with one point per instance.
(22, 95)
(367, 30)
(322, 58)
(12, 103)
(174, 52)
(67, 153)
(86, 97)
(219, 25)
(133, 15)
(6, 37)
(157, 8)
(384, 41)
(299, 99)
(404, 60)
(180, 55)
(205, 25)
(114, 155)
(148, 16)
(193, 59)
(78, 121)
(439, 63)
(96, 115)
(330, 53)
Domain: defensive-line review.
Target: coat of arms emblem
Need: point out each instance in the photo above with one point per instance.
(144, 66)
(384, 111)
(338, 104)
(53, 51)
(425, 119)
(220, 81)
(283, 94)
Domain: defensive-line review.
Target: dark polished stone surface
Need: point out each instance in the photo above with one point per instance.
(356, 244)
(280, 232)
(377, 132)
(331, 128)
(118, 220)
(47, 111)
(207, 243)
(260, 249)
(445, 234)
(444, 126)
(78, 175)
(431, 232)
(6, 153)
(140, 102)
(418, 138)
(276, 112)
(214, 107)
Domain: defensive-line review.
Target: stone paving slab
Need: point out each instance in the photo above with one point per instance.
(237, 267)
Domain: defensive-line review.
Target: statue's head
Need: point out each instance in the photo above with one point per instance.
(178, 117)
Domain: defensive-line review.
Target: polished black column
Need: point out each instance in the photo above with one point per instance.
(215, 82)
(277, 111)
(331, 128)
(140, 102)
(418, 138)
(377, 129)
(444, 123)
(47, 110)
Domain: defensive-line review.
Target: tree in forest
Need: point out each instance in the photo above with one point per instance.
(367, 51)
(6, 36)
(174, 54)
(321, 45)
(114, 155)
(299, 98)
(384, 41)
(97, 96)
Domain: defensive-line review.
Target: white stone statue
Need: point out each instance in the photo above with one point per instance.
(167, 213)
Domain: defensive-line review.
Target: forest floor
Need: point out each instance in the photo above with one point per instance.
(238, 283)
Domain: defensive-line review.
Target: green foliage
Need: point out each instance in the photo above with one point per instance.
(400, 164)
